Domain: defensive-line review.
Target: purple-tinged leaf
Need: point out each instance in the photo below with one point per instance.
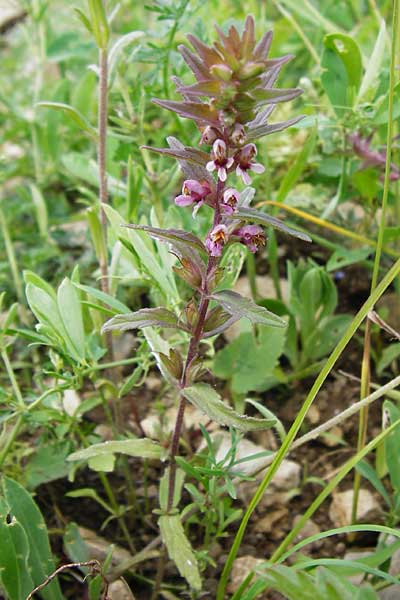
(255, 216)
(254, 133)
(203, 88)
(145, 317)
(263, 47)
(262, 116)
(185, 153)
(172, 236)
(200, 71)
(275, 95)
(240, 307)
(210, 56)
(191, 110)
(221, 328)
(191, 170)
(248, 38)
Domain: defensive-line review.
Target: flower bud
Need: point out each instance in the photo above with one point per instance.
(189, 272)
(209, 135)
(251, 69)
(191, 314)
(221, 71)
(173, 363)
(238, 135)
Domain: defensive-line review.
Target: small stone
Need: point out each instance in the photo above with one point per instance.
(390, 593)
(340, 509)
(267, 524)
(241, 568)
(313, 414)
(71, 402)
(309, 529)
(332, 438)
(119, 590)
(153, 383)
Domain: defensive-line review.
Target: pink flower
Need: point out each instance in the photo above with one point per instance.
(372, 158)
(221, 163)
(251, 236)
(216, 240)
(193, 192)
(245, 163)
(229, 201)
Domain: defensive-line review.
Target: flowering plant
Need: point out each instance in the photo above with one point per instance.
(231, 103)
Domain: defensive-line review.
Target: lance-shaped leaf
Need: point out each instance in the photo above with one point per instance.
(239, 306)
(192, 155)
(190, 169)
(145, 317)
(172, 236)
(206, 399)
(141, 448)
(179, 549)
(258, 131)
(250, 214)
(73, 114)
(190, 110)
(275, 95)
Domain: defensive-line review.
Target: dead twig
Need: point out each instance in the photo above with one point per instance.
(94, 566)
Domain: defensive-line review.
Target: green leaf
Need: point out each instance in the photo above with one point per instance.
(103, 463)
(14, 552)
(206, 399)
(296, 169)
(239, 306)
(41, 210)
(146, 255)
(143, 448)
(342, 62)
(73, 114)
(40, 562)
(120, 44)
(374, 64)
(92, 494)
(115, 304)
(392, 445)
(145, 317)
(47, 464)
(256, 216)
(179, 549)
(164, 487)
(71, 314)
(99, 23)
(249, 361)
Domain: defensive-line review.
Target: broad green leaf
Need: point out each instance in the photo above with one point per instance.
(103, 463)
(249, 361)
(179, 549)
(115, 304)
(256, 216)
(146, 255)
(206, 399)
(343, 70)
(82, 167)
(389, 354)
(142, 448)
(71, 314)
(145, 317)
(47, 464)
(37, 281)
(392, 445)
(164, 487)
(231, 265)
(25, 511)
(73, 114)
(41, 210)
(374, 64)
(239, 306)
(14, 552)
